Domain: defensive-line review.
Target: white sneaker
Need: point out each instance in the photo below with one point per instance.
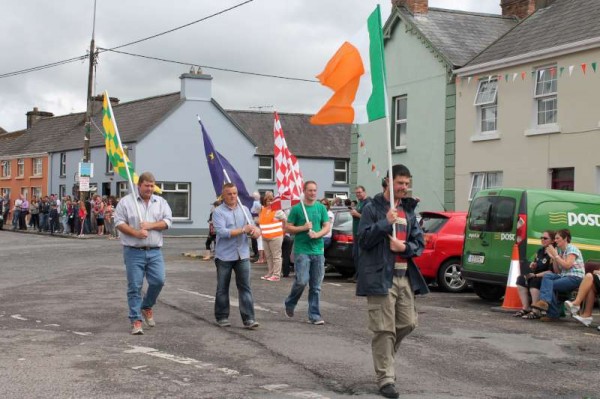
(573, 309)
(586, 321)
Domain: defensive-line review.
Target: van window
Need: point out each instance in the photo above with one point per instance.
(492, 214)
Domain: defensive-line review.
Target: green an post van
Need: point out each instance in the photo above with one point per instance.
(500, 217)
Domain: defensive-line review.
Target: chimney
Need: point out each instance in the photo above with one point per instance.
(196, 86)
(36, 115)
(414, 6)
(100, 98)
(518, 8)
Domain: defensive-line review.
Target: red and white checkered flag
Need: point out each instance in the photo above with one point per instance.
(287, 171)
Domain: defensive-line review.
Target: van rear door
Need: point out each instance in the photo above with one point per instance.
(490, 235)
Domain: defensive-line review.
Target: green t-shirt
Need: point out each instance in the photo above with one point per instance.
(317, 214)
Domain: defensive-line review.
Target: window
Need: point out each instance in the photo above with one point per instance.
(109, 166)
(25, 192)
(178, 197)
(20, 167)
(122, 189)
(492, 214)
(265, 168)
(63, 164)
(563, 179)
(62, 191)
(5, 168)
(400, 113)
(487, 105)
(36, 166)
(340, 172)
(335, 194)
(36, 192)
(484, 180)
(6, 191)
(545, 95)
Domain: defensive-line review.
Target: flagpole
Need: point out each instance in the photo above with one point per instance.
(238, 198)
(297, 185)
(125, 157)
(389, 151)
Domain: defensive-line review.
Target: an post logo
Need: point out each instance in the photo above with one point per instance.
(504, 236)
(572, 219)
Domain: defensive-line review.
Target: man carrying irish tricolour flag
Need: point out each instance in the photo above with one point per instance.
(388, 234)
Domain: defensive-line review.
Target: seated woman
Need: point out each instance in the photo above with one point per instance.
(586, 296)
(530, 283)
(567, 274)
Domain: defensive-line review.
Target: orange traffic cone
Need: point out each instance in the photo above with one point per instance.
(511, 295)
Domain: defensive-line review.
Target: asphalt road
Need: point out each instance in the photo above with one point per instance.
(64, 333)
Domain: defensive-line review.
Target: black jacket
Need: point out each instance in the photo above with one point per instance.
(376, 261)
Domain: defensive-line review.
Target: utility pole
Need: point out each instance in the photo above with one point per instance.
(88, 114)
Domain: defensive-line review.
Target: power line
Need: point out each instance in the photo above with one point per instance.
(83, 57)
(212, 67)
(182, 26)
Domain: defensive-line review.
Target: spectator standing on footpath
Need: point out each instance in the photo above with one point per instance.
(44, 212)
(232, 254)
(271, 224)
(81, 217)
(211, 237)
(142, 242)
(355, 211)
(53, 215)
(34, 211)
(387, 275)
(16, 213)
(2, 201)
(309, 259)
(24, 213)
(109, 224)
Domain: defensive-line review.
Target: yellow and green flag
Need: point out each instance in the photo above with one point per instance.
(114, 147)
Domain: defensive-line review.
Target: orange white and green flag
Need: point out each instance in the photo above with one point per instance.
(356, 74)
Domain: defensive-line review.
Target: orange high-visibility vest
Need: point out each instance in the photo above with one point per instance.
(269, 226)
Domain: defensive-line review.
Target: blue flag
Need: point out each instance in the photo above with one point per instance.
(217, 165)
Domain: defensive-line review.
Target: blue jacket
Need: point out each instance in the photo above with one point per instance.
(375, 260)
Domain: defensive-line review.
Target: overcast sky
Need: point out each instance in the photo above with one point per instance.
(293, 38)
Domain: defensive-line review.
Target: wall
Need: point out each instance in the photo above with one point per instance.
(15, 183)
(527, 160)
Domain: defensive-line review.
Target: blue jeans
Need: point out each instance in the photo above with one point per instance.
(140, 263)
(310, 269)
(242, 281)
(552, 284)
(43, 222)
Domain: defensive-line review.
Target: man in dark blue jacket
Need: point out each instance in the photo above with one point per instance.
(387, 275)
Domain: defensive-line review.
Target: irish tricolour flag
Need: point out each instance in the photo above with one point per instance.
(356, 74)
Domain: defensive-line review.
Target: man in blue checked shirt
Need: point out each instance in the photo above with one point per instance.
(232, 253)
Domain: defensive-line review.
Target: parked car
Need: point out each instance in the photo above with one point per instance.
(440, 261)
(339, 253)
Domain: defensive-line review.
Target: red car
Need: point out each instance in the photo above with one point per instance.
(444, 241)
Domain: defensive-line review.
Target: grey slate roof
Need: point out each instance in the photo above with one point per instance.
(563, 22)
(303, 139)
(63, 133)
(457, 35)
(136, 118)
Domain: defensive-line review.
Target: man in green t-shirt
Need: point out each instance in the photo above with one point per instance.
(309, 258)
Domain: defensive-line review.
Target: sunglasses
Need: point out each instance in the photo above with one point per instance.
(545, 238)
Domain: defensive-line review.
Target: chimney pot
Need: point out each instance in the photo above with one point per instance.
(520, 9)
(36, 115)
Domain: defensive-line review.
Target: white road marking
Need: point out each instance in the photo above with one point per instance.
(81, 333)
(18, 317)
(178, 359)
(139, 367)
(285, 389)
(21, 359)
(233, 301)
(51, 325)
(334, 284)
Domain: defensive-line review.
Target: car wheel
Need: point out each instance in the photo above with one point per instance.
(450, 277)
(489, 292)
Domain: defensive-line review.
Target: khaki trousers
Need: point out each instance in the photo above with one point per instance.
(272, 247)
(391, 318)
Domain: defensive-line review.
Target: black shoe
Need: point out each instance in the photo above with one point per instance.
(389, 391)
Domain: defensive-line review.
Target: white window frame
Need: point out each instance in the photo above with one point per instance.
(36, 167)
(335, 194)
(483, 180)
(178, 187)
(36, 192)
(6, 172)
(21, 167)
(486, 98)
(338, 170)
(63, 164)
(25, 192)
(122, 188)
(4, 191)
(265, 167)
(399, 139)
(109, 166)
(547, 94)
